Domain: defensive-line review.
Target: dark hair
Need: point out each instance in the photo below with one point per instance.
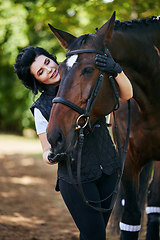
(22, 67)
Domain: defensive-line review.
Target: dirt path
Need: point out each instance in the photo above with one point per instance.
(30, 209)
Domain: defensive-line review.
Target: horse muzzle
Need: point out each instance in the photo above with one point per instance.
(61, 144)
(57, 140)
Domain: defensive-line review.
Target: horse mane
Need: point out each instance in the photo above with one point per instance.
(126, 26)
(135, 24)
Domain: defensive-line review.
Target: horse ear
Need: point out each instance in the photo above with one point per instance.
(64, 38)
(105, 32)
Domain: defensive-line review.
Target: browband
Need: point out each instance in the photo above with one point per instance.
(84, 51)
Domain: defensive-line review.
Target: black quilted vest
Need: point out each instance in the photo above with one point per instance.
(44, 102)
(98, 152)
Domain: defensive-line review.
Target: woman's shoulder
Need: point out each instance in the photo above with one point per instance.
(37, 103)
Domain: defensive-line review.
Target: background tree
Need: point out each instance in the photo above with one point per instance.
(25, 23)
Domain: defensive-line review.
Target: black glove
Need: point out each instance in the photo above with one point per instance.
(107, 64)
(56, 158)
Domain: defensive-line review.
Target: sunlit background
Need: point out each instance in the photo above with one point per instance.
(29, 206)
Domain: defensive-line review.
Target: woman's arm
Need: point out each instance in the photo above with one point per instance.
(125, 87)
(41, 126)
(107, 64)
(45, 147)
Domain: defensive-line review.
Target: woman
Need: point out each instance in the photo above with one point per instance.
(38, 71)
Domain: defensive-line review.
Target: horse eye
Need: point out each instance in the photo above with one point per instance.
(87, 70)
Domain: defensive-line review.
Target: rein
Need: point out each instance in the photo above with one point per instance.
(84, 113)
(122, 160)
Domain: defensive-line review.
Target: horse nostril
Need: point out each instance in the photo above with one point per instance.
(59, 141)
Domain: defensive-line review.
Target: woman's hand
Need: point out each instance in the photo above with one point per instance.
(45, 158)
(48, 156)
(107, 64)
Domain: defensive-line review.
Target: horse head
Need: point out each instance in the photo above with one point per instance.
(78, 77)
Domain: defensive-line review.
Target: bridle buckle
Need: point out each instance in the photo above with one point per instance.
(85, 124)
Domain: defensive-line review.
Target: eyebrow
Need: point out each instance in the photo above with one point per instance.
(41, 68)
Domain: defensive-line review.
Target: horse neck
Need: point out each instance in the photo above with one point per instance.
(139, 59)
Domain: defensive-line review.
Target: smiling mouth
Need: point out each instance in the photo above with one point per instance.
(54, 74)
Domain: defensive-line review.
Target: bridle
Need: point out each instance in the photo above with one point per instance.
(91, 101)
(84, 113)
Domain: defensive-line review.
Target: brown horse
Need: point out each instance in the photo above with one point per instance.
(136, 47)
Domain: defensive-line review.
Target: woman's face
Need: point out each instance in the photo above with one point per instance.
(45, 70)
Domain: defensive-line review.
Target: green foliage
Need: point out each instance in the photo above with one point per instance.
(25, 22)
(13, 30)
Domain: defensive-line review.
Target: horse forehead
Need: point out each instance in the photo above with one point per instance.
(71, 60)
(87, 58)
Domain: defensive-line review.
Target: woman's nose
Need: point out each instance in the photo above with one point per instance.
(49, 69)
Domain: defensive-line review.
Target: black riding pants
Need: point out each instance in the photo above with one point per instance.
(91, 223)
